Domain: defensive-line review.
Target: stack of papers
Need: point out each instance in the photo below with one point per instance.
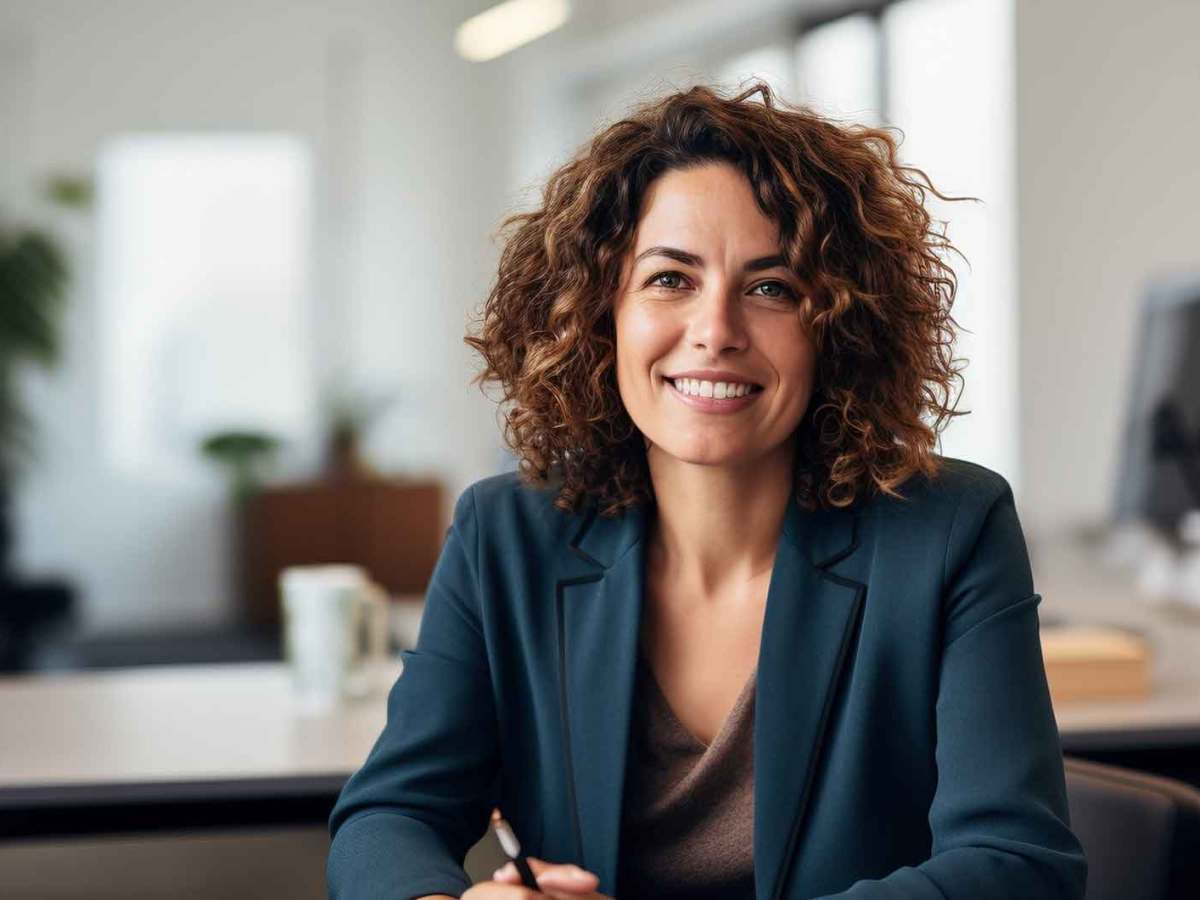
(1095, 662)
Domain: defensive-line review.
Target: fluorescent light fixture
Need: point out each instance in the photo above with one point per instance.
(507, 26)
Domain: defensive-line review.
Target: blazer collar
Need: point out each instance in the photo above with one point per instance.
(823, 536)
(809, 630)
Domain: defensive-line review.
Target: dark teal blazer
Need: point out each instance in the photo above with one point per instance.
(904, 742)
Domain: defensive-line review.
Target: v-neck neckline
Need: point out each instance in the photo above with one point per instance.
(730, 718)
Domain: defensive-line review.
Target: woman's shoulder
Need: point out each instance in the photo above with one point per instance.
(961, 479)
(965, 512)
(958, 487)
(507, 503)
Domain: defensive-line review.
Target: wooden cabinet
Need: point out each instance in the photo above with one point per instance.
(391, 527)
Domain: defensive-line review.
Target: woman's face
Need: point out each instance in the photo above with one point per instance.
(703, 288)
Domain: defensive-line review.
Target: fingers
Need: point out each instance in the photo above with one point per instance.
(490, 890)
(556, 878)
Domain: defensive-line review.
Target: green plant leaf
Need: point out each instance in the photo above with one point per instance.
(33, 275)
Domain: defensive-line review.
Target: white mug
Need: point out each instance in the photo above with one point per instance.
(325, 609)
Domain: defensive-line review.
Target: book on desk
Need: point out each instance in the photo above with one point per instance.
(1095, 662)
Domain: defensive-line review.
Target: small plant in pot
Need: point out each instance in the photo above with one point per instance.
(242, 453)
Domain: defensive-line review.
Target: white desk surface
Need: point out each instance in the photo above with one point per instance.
(238, 721)
(1077, 586)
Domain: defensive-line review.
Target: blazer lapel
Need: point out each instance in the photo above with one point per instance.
(810, 623)
(598, 611)
(809, 630)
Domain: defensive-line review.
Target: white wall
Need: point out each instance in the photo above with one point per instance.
(411, 168)
(1109, 192)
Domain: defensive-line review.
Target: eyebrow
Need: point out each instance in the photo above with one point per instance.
(691, 259)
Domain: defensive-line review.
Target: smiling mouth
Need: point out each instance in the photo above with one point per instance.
(713, 394)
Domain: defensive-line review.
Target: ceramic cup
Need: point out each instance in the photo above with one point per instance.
(335, 631)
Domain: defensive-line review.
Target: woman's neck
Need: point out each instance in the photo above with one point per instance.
(717, 527)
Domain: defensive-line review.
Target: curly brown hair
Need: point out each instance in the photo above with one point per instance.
(852, 224)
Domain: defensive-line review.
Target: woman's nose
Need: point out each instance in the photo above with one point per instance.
(716, 323)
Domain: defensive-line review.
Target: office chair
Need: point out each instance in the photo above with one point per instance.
(1140, 833)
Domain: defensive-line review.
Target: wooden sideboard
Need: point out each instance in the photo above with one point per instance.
(391, 527)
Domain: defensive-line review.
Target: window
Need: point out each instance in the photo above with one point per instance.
(942, 71)
(771, 64)
(949, 78)
(838, 69)
(203, 287)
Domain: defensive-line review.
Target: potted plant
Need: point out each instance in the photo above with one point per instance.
(241, 453)
(351, 414)
(33, 277)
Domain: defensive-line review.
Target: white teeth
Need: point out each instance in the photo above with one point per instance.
(720, 390)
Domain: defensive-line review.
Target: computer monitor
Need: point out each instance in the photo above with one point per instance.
(1159, 475)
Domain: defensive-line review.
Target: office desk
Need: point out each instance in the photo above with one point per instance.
(1160, 733)
(174, 747)
(155, 748)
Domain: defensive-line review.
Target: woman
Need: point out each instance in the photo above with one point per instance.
(735, 630)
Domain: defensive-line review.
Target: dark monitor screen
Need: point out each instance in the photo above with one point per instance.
(1159, 475)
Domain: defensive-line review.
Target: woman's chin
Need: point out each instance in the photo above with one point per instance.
(723, 457)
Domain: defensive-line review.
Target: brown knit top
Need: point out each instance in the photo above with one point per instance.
(688, 811)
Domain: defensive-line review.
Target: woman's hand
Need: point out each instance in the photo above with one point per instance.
(560, 881)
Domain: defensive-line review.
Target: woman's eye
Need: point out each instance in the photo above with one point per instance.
(673, 280)
(776, 290)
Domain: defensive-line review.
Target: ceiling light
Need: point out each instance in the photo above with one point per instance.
(507, 26)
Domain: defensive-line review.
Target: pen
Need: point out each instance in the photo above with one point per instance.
(512, 849)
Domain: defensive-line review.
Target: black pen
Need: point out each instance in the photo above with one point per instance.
(512, 849)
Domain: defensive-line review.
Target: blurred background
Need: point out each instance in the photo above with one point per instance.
(240, 244)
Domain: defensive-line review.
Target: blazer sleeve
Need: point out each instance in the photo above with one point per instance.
(999, 814)
(405, 820)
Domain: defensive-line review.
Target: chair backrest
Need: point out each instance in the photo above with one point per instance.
(1140, 832)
